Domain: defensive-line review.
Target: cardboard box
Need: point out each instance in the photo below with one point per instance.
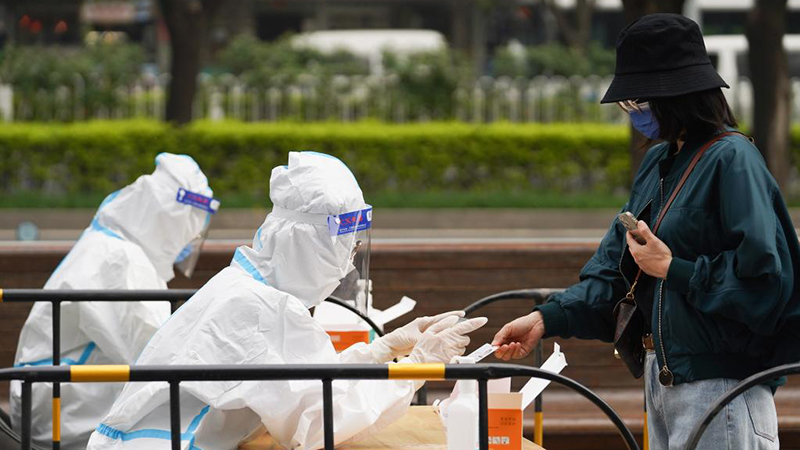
(505, 421)
(342, 339)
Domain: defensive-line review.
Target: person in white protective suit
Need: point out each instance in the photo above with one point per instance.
(136, 236)
(256, 311)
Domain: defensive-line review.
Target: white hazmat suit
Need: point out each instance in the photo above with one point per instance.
(132, 243)
(256, 312)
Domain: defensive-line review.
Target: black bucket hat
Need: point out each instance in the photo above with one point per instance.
(661, 55)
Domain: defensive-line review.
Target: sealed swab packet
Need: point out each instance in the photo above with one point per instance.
(482, 352)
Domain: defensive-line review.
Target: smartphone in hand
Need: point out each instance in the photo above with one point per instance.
(630, 223)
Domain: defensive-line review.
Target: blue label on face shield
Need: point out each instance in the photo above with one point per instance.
(350, 222)
(197, 200)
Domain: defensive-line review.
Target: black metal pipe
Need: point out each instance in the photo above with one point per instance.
(256, 372)
(483, 414)
(56, 327)
(287, 372)
(327, 412)
(152, 295)
(362, 316)
(538, 296)
(422, 395)
(175, 414)
(722, 402)
(26, 415)
(36, 374)
(96, 295)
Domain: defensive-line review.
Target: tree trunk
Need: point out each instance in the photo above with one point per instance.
(188, 24)
(578, 36)
(638, 8)
(769, 73)
(635, 9)
(584, 10)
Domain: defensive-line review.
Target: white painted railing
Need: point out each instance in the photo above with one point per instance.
(345, 99)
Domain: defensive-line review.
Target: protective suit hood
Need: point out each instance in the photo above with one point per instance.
(149, 214)
(294, 250)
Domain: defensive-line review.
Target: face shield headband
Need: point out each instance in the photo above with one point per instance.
(187, 259)
(351, 237)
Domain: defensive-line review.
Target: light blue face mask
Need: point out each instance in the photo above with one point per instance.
(644, 121)
(185, 253)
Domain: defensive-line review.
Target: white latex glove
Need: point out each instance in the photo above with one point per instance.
(401, 342)
(445, 340)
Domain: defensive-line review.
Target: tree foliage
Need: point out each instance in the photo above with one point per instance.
(262, 64)
(95, 71)
(554, 59)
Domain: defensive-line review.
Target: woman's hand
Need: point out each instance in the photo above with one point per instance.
(517, 338)
(654, 257)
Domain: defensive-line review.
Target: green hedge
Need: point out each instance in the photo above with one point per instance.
(88, 160)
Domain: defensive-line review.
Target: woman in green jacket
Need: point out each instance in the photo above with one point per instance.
(717, 292)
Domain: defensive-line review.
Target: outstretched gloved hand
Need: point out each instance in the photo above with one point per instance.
(445, 340)
(401, 341)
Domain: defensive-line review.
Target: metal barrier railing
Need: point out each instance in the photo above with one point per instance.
(744, 385)
(174, 375)
(55, 297)
(173, 296)
(537, 296)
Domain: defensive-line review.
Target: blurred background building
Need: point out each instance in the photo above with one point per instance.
(396, 60)
(475, 27)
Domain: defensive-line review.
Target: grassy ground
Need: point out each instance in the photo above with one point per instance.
(486, 199)
(482, 199)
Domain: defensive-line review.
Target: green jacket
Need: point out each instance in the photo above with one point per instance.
(729, 306)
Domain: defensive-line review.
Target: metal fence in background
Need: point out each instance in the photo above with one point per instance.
(346, 99)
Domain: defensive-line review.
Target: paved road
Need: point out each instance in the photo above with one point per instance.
(391, 225)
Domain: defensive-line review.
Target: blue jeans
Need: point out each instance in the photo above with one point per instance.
(747, 423)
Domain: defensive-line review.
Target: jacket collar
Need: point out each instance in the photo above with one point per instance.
(690, 147)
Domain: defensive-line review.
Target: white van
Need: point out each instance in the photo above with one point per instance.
(729, 55)
(370, 44)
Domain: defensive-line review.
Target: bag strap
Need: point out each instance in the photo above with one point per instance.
(677, 190)
(686, 174)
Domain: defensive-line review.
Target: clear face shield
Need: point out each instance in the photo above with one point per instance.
(354, 230)
(187, 259)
